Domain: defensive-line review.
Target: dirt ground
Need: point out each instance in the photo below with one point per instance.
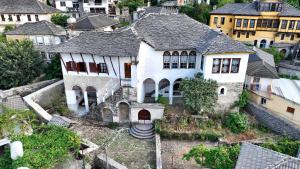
(173, 151)
(121, 146)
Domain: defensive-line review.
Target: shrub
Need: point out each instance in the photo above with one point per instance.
(112, 125)
(237, 122)
(276, 54)
(163, 100)
(53, 70)
(243, 99)
(284, 145)
(60, 19)
(45, 148)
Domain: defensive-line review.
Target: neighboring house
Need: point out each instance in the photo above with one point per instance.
(154, 9)
(255, 157)
(18, 12)
(126, 70)
(281, 96)
(94, 23)
(80, 7)
(43, 34)
(178, 3)
(262, 23)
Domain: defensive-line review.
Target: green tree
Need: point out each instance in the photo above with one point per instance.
(276, 54)
(60, 19)
(20, 63)
(243, 99)
(295, 3)
(131, 4)
(199, 94)
(237, 122)
(9, 28)
(199, 12)
(53, 70)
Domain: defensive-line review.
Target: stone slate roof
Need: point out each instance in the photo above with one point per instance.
(261, 64)
(180, 32)
(256, 157)
(162, 32)
(170, 4)
(250, 9)
(38, 28)
(93, 22)
(116, 43)
(25, 7)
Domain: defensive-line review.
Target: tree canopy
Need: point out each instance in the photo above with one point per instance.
(199, 94)
(60, 19)
(131, 4)
(295, 3)
(20, 63)
(199, 12)
(53, 70)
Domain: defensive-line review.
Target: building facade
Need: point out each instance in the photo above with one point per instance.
(136, 65)
(15, 13)
(263, 23)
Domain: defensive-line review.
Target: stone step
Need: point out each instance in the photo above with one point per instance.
(142, 131)
(141, 136)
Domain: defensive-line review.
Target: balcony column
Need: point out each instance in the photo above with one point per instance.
(156, 90)
(171, 93)
(86, 101)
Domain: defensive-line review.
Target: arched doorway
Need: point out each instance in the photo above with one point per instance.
(263, 44)
(144, 115)
(92, 96)
(123, 112)
(164, 88)
(107, 115)
(176, 87)
(283, 52)
(149, 90)
(79, 96)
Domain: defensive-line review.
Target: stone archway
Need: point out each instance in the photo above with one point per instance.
(144, 115)
(92, 95)
(149, 89)
(107, 115)
(263, 44)
(123, 109)
(79, 96)
(176, 87)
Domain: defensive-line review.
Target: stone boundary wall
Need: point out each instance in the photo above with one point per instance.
(27, 89)
(285, 68)
(158, 152)
(100, 163)
(274, 122)
(33, 99)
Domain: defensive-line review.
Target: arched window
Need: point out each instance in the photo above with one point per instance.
(175, 59)
(263, 44)
(167, 59)
(222, 91)
(183, 59)
(192, 60)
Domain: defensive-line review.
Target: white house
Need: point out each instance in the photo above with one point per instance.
(18, 12)
(126, 70)
(43, 34)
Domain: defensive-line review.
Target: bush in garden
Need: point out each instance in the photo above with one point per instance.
(243, 99)
(237, 122)
(284, 145)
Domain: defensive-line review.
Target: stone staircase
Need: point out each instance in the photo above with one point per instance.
(142, 131)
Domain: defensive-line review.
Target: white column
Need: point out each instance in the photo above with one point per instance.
(86, 101)
(171, 93)
(156, 91)
(98, 98)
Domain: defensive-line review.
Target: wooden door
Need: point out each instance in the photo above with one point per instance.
(144, 115)
(127, 67)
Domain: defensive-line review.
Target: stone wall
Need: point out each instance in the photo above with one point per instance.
(274, 122)
(129, 93)
(100, 163)
(226, 101)
(285, 68)
(158, 152)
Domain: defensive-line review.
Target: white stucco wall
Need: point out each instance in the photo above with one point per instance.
(226, 77)
(263, 83)
(155, 111)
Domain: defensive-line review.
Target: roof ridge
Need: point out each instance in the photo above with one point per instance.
(49, 26)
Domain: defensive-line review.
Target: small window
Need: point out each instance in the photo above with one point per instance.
(222, 91)
(283, 24)
(238, 23)
(256, 79)
(29, 18)
(222, 20)
(225, 65)
(238, 34)
(43, 54)
(247, 35)
(263, 100)
(271, 43)
(298, 25)
(252, 23)
(215, 20)
(102, 68)
(18, 18)
(175, 59)
(216, 66)
(62, 3)
(235, 65)
(245, 23)
(50, 55)
(276, 23)
(93, 67)
(2, 18)
(282, 36)
(37, 18)
(40, 40)
(81, 67)
(292, 25)
(292, 37)
(71, 66)
(10, 19)
(290, 110)
(192, 60)
(230, 20)
(183, 59)
(255, 43)
(259, 23)
(202, 62)
(167, 60)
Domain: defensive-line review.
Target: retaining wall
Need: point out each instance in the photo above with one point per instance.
(158, 152)
(274, 122)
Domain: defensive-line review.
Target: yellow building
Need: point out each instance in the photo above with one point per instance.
(262, 23)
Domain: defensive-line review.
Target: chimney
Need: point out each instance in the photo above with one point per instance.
(148, 3)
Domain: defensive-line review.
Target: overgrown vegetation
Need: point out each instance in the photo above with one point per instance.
(199, 12)
(162, 100)
(9, 28)
(286, 76)
(57, 105)
(53, 70)
(47, 146)
(237, 122)
(60, 19)
(199, 94)
(20, 63)
(131, 4)
(295, 3)
(276, 54)
(284, 145)
(222, 157)
(243, 99)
